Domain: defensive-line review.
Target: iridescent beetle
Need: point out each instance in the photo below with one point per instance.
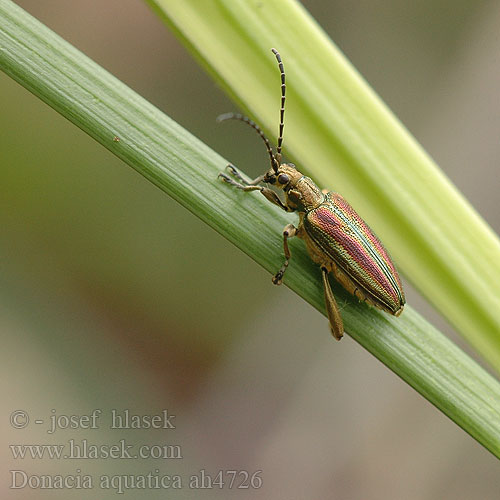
(336, 237)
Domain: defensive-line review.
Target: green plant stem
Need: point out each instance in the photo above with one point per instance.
(187, 169)
(341, 133)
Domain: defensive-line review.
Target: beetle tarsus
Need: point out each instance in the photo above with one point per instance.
(243, 182)
(235, 173)
(278, 277)
(247, 186)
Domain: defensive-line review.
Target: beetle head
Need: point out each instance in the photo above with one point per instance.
(283, 176)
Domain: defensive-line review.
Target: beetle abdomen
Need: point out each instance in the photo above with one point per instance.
(344, 237)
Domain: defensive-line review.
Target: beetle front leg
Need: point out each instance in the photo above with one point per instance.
(243, 183)
(332, 310)
(289, 232)
(274, 198)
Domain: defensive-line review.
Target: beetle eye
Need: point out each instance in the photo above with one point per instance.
(283, 179)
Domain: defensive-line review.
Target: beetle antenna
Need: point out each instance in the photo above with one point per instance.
(245, 119)
(282, 108)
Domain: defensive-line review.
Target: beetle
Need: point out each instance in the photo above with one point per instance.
(336, 237)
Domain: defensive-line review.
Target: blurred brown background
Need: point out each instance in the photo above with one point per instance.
(114, 296)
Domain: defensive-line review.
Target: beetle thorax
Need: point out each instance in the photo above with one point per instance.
(302, 194)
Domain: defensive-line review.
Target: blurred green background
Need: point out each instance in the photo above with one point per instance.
(114, 296)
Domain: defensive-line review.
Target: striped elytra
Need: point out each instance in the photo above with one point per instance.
(347, 240)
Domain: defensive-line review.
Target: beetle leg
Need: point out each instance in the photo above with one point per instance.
(268, 193)
(247, 186)
(289, 232)
(274, 198)
(243, 184)
(336, 325)
(234, 172)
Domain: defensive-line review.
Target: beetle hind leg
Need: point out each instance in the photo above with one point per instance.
(289, 232)
(336, 324)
